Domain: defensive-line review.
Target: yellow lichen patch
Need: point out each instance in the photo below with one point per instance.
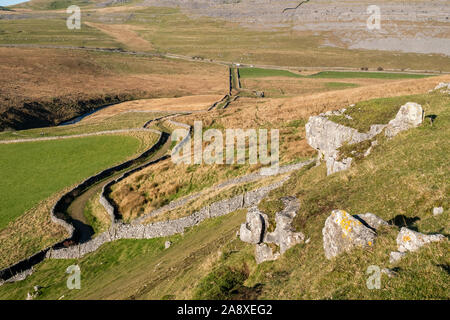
(406, 238)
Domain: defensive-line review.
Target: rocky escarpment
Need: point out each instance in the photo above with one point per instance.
(327, 136)
(255, 231)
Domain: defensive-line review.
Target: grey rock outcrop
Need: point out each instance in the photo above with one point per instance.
(396, 256)
(342, 232)
(327, 137)
(443, 87)
(409, 116)
(409, 240)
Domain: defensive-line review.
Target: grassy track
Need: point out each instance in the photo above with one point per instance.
(33, 171)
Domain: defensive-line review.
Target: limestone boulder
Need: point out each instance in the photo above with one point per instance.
(343, 232)
(327, 137)
(409, 240)
(409, 116)
(252, 231)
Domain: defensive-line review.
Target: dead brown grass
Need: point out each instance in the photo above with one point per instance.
(124, 34)
(186, 103)
(30, 233)
(45, 86)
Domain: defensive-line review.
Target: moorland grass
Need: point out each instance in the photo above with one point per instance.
(260, 73)
(33, 171)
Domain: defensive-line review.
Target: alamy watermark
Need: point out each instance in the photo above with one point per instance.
(74, 20)
(74, 279)
(235, 143)
(374, 20)
(374, 280)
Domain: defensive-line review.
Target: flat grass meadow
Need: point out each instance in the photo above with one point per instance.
(33, 171)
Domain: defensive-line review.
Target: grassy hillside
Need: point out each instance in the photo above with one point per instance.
(396, 182)
(33, 171)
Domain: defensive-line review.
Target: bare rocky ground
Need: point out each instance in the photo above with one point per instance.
(407, 26)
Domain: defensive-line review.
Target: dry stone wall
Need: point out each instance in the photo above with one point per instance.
(165, 228)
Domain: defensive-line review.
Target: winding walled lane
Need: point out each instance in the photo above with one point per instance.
(69, 209)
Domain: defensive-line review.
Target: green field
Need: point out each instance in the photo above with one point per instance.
(261, 73)
(362, 74)
(33, 171)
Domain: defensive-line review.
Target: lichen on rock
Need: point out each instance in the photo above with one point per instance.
(343, 232)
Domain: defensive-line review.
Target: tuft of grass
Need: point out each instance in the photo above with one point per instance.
(219, 284)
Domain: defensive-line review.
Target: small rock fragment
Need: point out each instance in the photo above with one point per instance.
(438, 210)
